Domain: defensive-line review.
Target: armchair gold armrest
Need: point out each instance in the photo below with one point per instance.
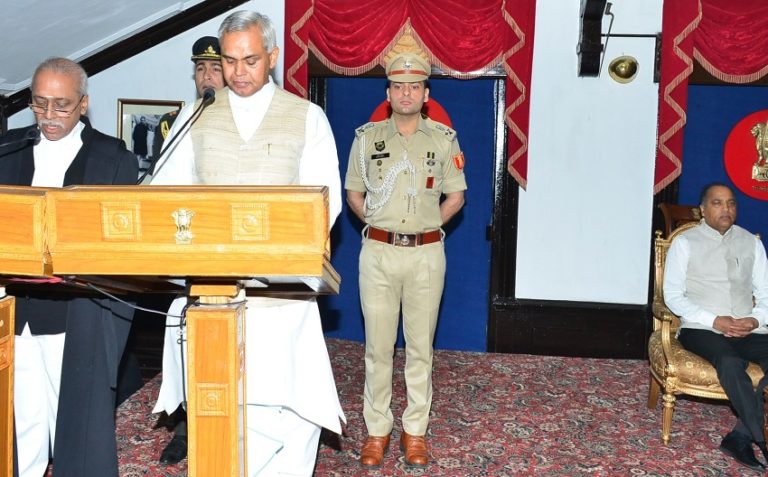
(673, 369)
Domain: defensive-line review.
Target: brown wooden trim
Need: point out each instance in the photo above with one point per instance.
(133, 46)
(157, 34)
(560, 328)
(502, 233)
(3, 116)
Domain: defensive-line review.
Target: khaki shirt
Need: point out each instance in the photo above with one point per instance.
(434, 154)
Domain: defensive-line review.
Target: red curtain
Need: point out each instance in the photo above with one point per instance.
(729, 38)
(464, 38)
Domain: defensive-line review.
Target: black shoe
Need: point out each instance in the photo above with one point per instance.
(739, 447)
(175, 451)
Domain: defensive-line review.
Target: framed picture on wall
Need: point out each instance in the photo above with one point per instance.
(137, 121)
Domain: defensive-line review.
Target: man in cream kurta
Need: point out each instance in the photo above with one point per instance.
(256, 133)
(716, 281)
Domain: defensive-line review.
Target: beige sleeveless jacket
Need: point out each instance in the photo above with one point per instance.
(270, 157)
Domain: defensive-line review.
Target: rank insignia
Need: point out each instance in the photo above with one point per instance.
(379, 145)
(458, 159)
(359, 131)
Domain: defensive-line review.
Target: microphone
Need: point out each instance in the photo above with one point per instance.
(31, 135)
(209, 96)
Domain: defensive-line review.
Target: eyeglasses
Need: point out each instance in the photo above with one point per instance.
(57, 112)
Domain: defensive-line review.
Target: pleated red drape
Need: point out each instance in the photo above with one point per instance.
(729, 38)
(464, 38)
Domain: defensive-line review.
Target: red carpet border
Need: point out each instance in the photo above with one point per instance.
(497, 415)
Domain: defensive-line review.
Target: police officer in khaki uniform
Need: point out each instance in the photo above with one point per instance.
(399, 169)
(206, 54)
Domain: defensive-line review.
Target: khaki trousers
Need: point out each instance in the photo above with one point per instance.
(391, 276)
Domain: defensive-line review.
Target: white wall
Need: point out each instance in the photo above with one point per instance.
(585, 219)
(163, 72)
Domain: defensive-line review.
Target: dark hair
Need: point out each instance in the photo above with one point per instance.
(708, 187)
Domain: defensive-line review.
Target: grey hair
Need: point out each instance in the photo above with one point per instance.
(243, 20)
(64, 66)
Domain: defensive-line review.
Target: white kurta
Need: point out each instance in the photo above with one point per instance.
(287, 362)
(694, 315)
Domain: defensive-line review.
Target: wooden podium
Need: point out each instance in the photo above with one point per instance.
(271, 240)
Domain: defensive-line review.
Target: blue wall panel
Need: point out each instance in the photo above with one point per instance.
(712, 112)
(464, 313)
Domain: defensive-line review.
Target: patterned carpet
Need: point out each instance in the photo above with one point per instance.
(498, 415)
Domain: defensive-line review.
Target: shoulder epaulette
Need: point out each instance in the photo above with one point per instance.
(449, 133)
(365, 127)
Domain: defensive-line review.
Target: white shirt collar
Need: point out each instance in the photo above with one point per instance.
(248, 112)
(714, 233)
(258, 100)
(74, 135)
(53, 158)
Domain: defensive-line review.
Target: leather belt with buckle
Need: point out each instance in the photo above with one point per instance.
(403, 240)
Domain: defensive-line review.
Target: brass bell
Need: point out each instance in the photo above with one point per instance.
(623, 69)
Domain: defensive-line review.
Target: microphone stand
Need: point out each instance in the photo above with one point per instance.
(31, 135)
(209, 96)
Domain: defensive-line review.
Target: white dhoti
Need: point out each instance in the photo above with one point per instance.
(172, 390)
(290, 391)
(37, 369)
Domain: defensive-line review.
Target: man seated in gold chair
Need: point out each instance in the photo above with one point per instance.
(716, 281)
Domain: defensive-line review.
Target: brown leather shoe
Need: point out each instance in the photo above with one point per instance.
(373, 450)
(415, 448)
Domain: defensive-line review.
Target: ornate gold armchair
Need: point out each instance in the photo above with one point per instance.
(673, 369)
